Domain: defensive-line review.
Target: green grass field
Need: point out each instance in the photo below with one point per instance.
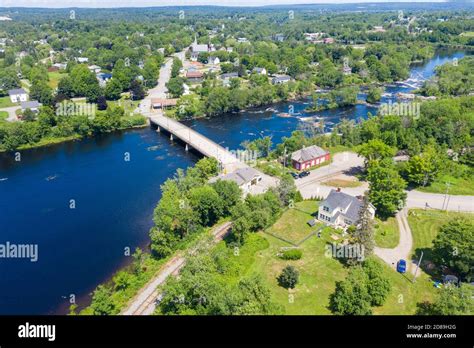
(54, 78)
(5, 102)
(319, 273)
(292, 226)
(386, 233)
(3, 115)
(425, 225)
(458, 186)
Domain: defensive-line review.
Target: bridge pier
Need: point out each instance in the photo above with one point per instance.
(158, 129)
(171, 137)
(186, 148)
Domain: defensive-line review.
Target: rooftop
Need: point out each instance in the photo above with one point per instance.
(16, 91)
(308, 153)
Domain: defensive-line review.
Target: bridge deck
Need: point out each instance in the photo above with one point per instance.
(199, 142)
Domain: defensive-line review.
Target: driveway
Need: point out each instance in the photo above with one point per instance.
(11, 113)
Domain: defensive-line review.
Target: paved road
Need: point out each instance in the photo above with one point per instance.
(145, 301)
(349, 162)
(11, 113)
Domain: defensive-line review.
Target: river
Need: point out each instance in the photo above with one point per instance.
(83, 203)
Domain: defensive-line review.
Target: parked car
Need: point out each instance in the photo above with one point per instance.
(294, 175)
(303, 174)
(401, 266)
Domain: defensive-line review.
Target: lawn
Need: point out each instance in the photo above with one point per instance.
(425, 225)
(386, 233)
(54, 78)
(342, 183)
(5, 102)
(458, 186)
(318, 277)
(292, 226)
(3, 115)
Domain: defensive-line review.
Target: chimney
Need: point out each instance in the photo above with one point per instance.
(338, 189)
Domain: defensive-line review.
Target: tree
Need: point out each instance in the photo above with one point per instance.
(102, 303)
(206, 203)
(113, 89)
(288, 277)
(375, 149)
(177, 65)
(28, 115)
(351, 296)
(451, 300)
(101, 103)
(230, 194)
(137, 90)
(189, 106)
(423, 169)
(364, 232)
(42, 92)
(386, 188)
(453, 246)
(378, 286)
(374, 95)
(175, 87)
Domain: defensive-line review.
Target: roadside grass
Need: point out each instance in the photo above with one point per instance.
(5, 102)
(425, 224)
(458, 186)
(3, 116)
(342, 183)
(467, 34)
(339, 148)
(319, 273)
(292, 226)
(387, 234)
(54, 78)
(274, 168)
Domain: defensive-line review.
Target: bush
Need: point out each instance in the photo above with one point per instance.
(292, 254)
(288, 277)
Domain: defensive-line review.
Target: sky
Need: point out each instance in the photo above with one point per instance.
(146, 3)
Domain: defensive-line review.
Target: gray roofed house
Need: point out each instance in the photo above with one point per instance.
(18, 95)
(281, 79)
(243, 177)
(32, 105)
(341, 209)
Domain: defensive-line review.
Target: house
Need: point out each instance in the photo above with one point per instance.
(278, 80)
(18, 95)
(229, 49)
(33, 105)
(194, 76)
(199, 48)
(245, 178)
(279, 37)
(82, 59)
(94, 68)
(60, 66)
(347, 70)
(194, 56)
(341, 209)
(328, 40)
(227, 77)
(259, 71)
(213, 60)
(308, 157)
(103, 78)
(242, 40)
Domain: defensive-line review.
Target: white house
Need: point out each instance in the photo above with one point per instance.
(18, 95)
(95, 69)
(260, 71)
(245, 178)
(341, 209)
(278, 80)
(214, 60)
(82, 59)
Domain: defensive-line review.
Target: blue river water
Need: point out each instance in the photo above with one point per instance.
(112, 199)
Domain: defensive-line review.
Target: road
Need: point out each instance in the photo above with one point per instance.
(145, 301)
(348, 163)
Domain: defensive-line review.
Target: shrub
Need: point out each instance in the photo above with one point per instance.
(288, 277)
(292, 254)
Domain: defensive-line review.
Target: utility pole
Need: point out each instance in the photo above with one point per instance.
(417, 266)
(448, 184)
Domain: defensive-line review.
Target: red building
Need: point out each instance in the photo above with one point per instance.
(308, 157)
